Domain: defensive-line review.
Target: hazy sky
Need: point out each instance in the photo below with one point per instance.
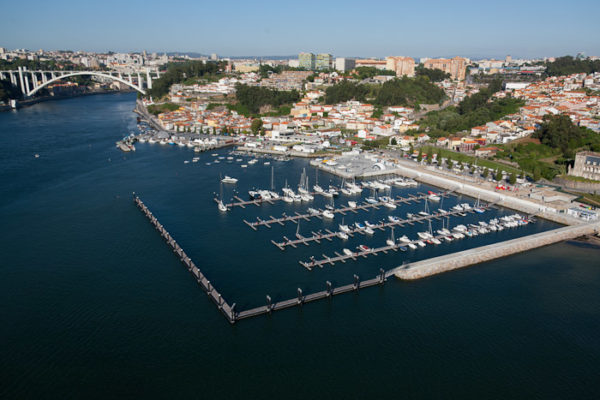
(524, 28)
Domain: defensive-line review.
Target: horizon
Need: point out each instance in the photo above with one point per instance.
(342, 29)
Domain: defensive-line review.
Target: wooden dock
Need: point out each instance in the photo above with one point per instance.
(343, 210)
(329, 235)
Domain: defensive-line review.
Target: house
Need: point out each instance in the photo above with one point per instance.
(486, 151)
(423, 137)
(467, 145)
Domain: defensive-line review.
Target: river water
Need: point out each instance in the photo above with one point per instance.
(94, 304)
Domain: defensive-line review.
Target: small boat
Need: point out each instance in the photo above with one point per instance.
(352, 204)
(390, 205)
(420, 243)
(369, 230)
(347, 252)
(318, 189)
(433, 196)
(222, 207)
(244, 166)
(342, 235)
(313, 211)
(229, 179)
(393, 219)
(370, 225)
(371, 200)
(364, 248)
(287, 199)
(404, 239)
(412, 246)
(436, 241)
(358, 225)
(267, 163)
(328, 214)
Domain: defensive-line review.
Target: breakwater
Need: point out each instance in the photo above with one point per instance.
(449, 262)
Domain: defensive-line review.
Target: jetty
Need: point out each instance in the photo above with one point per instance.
(227, 310)
(329, 235)
(343, 210)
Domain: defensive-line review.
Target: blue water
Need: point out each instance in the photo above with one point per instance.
(94, 304)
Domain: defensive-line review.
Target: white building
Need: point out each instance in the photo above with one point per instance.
(344, 64)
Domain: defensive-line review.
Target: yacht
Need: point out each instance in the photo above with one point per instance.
(313, 211)
(371, 200)
(433, 197)
(420, 243)
(287, 199)
(424, 235)
(390, 204)
(393, 219)
(318, 189)
(222, 207)
(412, 246)
(435, 241)
(342, 235)
(370, 225)
(347, 252)
(364, 248)
(404, 239)
(369, 230)
(229, 179)
(352, 204)
(328, 214)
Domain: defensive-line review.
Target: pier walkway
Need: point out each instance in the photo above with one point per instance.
(359, 207)
(227, 310)
(329, 235)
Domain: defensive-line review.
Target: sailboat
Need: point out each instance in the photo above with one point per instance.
(478, 208)
(391, 241)
(273, 193)
(317, 188)
(220, 205)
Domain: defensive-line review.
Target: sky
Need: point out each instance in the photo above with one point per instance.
(525, 28)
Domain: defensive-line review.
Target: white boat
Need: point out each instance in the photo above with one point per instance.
(424, 235)
(436, 241)
(313, 211)
(318, 189)
(369, 230)
(371, 200)
(420, 243)
(328, 214)
(222, 207)
(287, 199)
(390, 205)
(244, 166)
(393, 219)
(229, 179)
(342, 235)
(412, 246)
(404, 239)
(266, 163)
(370, 225)
(347, 252)
(344, 228)
(352, 204)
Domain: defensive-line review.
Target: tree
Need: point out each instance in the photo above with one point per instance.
(256, 125)
(512, 179)
(411, 149)
(434, 75)
(485, 173)
(214, 130)
(429, 156)
(498, 175)
(537, 175)
(394, 142)
(558, 132)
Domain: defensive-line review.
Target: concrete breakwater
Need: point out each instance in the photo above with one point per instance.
(449, 262)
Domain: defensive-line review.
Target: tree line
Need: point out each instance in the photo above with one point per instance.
(179, 72)
(253, 98)
(403, 91)
(568, 65)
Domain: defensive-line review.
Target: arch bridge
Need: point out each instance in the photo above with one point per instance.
(30, 82)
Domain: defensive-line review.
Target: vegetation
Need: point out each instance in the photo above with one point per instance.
(568, 65)
(465, 158)
(450, 120)
(434, 75)
(8, 91)
(409, 92)
(369, 72)
(559, 140)
(344, 91)
(161, 108)
(252, 98)
(402, 92)
(180, 72)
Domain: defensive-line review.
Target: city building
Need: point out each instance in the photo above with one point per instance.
(214, 56)
(379, 64)
(307, 60)
(344, 64)
(587, 165)
(456, 66)
(402, 66)
(324, 61)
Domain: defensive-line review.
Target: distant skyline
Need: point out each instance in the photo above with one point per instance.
(523, 29)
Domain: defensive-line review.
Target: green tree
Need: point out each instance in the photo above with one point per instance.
(485, 173)
(512, 179)
(537, 175)
(394, 142)
(434, 75)
(256, 125)
(498, 175)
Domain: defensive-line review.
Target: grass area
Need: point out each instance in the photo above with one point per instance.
(588, 198)
(462, 157)
(161, 108)
(578, 179)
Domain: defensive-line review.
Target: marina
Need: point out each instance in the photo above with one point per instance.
(319, 213)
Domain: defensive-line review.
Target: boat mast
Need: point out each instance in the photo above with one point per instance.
(272, 179)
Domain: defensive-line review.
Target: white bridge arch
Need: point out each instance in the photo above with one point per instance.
(114, 78)
(30, 82)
